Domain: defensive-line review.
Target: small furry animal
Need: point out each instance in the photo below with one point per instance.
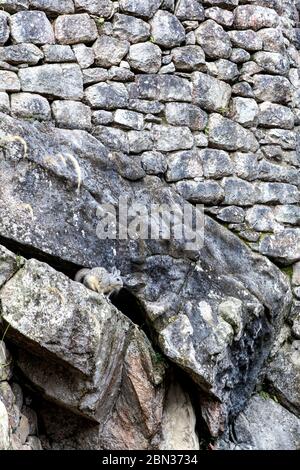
(100, 280)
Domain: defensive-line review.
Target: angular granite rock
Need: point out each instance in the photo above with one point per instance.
(4, 28)
(275, 115)
(109, 50)
(188, 58)
(85, 356)
(189, 10)
(272, 62)
(74, 29)
(228, 135)
(283, 246)
(214, 40)
(9, 81)
(212, 341)
(130, 29)
(59, 7)
(58, 80)
(283, 375)
(186, 114)
(255, 17)
(30, 106)
(21, 54)
(102, 8)
(166, 29)
(145, 57)
(72, 114)
(183, 165)
(264, 425)
(107, 96)
(272, 88)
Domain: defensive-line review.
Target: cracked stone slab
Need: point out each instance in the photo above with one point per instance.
(62, 222)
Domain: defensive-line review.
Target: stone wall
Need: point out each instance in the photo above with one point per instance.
(201, 95)
(204, 94)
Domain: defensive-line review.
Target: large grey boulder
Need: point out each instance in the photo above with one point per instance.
(264, 425)
(59, 7)
(244, 313)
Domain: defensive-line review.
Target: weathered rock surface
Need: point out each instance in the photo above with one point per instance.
(161, 102)
(284, 375)
(4, 428)
(210, 93)
(166, 29)
(214, 40)
(178, 421)
(208, 333)
(252, 428)
(73, 29)
(228, 135)
(283, 246)
(74, 332)
(61, 81)
(31, 27)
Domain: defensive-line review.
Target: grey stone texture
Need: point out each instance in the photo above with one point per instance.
(160, 102)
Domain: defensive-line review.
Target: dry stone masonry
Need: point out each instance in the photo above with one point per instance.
(161, 100)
